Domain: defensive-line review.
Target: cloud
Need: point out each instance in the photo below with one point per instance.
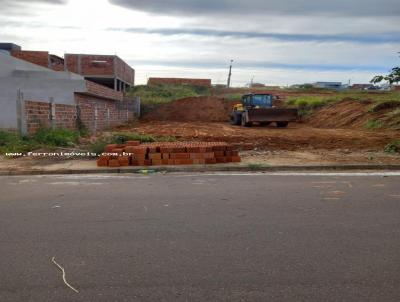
(23, 7)
(13, 2)
(378, 38)
(265, 7)
(264, 65)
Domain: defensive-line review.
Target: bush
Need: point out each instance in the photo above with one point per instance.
(373, 124)
(393, 147)
(307, 104)
(155, 95)
(56, 137)
(11, 142)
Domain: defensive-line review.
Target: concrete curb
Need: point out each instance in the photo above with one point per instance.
(209, 168)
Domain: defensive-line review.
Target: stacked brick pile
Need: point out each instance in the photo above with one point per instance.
(132, 153)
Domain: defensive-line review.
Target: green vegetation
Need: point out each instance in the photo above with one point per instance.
(384, 104)
(234, 97)
(120, 138)
(391, 78)
(255, 166)
(155, 95)
(306, 104)
(393, 147)
(56, 137)
(373, 124)
(11, 142)
(378, 100)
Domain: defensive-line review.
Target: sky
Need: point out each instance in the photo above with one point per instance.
(281, 42)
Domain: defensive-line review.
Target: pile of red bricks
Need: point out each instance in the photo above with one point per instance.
(132, 153)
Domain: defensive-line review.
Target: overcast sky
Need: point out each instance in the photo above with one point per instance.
(275, 42)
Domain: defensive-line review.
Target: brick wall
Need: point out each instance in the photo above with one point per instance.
(65, 116)
(96, 89)
(179, 81)
(71, 63)
(97, 65)
(37, 114)
(124, 71)
(99, 114)
(95, 113)
(36, 57)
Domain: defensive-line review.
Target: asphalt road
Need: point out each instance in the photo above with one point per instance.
(200, 237)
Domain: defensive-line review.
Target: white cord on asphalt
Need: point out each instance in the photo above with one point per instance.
(63, 275)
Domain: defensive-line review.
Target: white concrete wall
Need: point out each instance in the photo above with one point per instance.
(36, 83)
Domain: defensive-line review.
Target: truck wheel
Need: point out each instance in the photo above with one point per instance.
(244, 123)
(236, 119)
(282, 124)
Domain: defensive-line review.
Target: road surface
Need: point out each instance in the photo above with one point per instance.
(201, 237)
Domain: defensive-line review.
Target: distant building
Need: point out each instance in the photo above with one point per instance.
(328, 85)
(361, 86)
(179, 81)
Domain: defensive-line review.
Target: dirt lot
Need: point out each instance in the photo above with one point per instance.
(339, 126)
(294, 138)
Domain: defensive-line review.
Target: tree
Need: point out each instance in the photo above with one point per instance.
(392, 77)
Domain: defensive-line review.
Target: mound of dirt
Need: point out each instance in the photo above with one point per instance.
(344, 114)
(193, 109)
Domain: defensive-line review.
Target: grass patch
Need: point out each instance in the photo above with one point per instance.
(255, 166)
(234, 97)
(393, 147)
(11, 142)
(386, 104)
(373, 124)
(56, 137)
(394, 113)
(155, 95)
(120, 138)
(306, 104)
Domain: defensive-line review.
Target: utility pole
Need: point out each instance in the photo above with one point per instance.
(230, 74)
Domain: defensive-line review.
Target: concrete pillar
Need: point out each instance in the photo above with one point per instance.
(21, 115)
(52, 116)
(95, 119)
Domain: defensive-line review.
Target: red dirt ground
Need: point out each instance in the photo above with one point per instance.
(193, 109)
(339, 126)
(296, 136)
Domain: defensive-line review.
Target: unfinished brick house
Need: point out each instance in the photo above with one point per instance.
(38, 89)
(105, 70)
